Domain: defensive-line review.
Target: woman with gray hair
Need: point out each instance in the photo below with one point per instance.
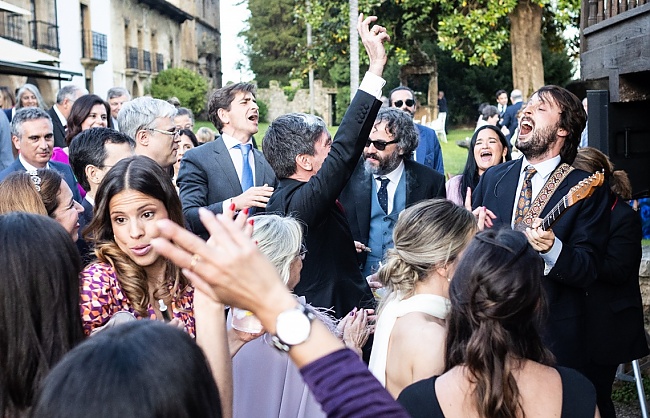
(265, 382)
(29, 96)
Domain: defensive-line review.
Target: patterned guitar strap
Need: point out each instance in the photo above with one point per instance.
(538, 205)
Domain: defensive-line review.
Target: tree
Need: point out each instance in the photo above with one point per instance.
(190, 88)
(273, 37)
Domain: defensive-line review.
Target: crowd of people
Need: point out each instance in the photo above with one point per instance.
(132, 247)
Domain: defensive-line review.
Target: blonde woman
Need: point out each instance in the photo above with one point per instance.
(409, 342)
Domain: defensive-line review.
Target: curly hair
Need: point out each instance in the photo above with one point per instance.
(427, 235)
(496, 299)
(144, 175)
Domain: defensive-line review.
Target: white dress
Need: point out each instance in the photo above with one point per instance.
(433, 305)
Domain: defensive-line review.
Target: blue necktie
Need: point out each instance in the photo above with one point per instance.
(382, 194)
(246, 172)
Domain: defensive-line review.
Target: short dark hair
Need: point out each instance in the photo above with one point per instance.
(188, 133)
(288, 136)
(497, 302)
(390, 101)
(138, 369)
(573, 118)
(41, 320)
(80, 111)
(223, 97)
(399, 125)
(88, 148)
(500, 92)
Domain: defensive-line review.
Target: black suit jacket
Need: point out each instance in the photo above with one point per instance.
(421, 183)
(510, 119)
(59, 130)
(63, 169)
(207, 177)
(614, 307)
(583, 232)
(330, 275)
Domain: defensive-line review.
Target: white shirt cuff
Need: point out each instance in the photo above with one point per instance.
(550, 258)
(372, 84)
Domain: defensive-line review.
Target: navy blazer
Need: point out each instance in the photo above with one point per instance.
(583, 232)
(614, 306)
(207, 177)
(421, 183)
(429, 152)
(63, 169)
(59, 130)
(510, 120)
(330, 276)
(9, 113)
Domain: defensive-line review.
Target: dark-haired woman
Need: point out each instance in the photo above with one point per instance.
(129, 274)
(140, 369)
(187, 141)
(488, 147)
(614, 312)
(496, 364)
(39, 305)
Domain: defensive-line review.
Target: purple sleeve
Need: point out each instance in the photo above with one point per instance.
(344, 387)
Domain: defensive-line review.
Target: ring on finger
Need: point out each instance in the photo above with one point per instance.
(195, 259)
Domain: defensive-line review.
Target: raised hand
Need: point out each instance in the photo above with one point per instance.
(373, 40)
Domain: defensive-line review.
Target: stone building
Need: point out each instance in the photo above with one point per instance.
(99, 44)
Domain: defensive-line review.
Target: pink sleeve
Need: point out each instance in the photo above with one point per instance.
(97, 302)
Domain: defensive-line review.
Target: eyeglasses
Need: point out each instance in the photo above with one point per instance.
(399, 103)
(175, 133)
(303, 251)
(380, 145)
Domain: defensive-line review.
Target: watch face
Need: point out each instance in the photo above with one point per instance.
(293, 327)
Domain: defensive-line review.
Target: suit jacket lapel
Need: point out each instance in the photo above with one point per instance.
(222, 158)
(259, 168)
(362, 198)
(506, 191)
(413, 187)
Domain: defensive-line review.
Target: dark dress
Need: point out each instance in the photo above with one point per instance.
(576, 389)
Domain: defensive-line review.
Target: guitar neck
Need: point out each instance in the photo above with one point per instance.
(555, 213)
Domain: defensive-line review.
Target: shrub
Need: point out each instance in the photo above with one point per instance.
(190, 88)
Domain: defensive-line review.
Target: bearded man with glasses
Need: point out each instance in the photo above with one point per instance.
(150, 122)
(385, 182)
(428, 151)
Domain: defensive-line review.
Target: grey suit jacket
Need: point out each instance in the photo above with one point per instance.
(207, 177)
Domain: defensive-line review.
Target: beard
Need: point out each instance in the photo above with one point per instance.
(386, 164)
(539, 142)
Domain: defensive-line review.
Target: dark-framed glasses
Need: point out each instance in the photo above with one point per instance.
(380, 145)
(409, 103)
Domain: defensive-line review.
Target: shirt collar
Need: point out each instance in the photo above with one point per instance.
(28, 166)
(64, 121)
(545, 168)
(231, 142)
(394, 175)
(90, 199)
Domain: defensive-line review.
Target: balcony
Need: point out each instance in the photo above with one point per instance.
(94, 46)
(160, 62)
(45, 36)
(11, 26)
(146, 61)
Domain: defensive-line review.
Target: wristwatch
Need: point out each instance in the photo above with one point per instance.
(292, 327)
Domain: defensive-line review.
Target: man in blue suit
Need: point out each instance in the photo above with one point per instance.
(33, 136)
(428, 151)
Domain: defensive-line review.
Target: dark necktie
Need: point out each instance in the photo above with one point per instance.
(246, 172)
(382, 194)
(525, 197)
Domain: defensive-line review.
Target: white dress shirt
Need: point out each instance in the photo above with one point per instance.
(236, 157)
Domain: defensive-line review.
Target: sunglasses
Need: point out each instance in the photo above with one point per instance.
(409, 103)
(380, 145)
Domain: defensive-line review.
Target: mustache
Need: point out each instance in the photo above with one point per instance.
(373, 155)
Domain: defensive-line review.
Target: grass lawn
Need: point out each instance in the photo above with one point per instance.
(453, 155)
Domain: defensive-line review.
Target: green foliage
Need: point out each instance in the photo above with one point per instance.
(263, 110)
(190, 88)
(625, 392)
(273, 39)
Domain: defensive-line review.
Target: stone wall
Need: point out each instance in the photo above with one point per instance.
(279, 103)
(644, 283)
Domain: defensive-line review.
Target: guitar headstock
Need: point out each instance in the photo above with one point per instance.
(585, 188)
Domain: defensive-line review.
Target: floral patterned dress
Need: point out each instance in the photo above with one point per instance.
(102, 297)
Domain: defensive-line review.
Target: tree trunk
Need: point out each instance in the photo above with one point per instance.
(526, 47)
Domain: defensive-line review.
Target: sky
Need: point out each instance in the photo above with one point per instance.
(233, 15)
